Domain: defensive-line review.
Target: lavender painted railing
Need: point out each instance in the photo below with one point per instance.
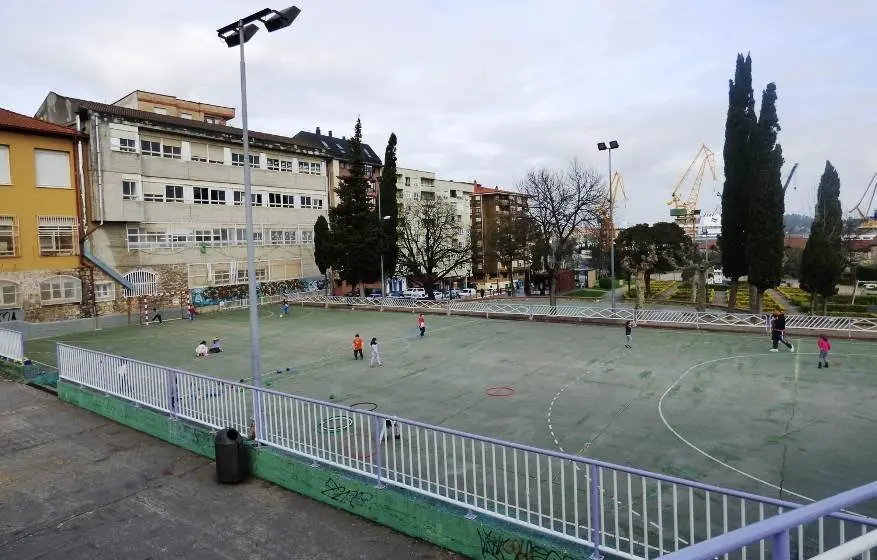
(624, 511)
(11, 345)
(776, 528)
(687, 318)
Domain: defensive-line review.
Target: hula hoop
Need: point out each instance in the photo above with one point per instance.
(366, 406)
(335, 424)
(499, 392)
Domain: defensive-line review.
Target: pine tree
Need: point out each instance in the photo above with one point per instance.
(765, 233)
(354, 223)
(388, 208)
(739, 128)
(822, 261)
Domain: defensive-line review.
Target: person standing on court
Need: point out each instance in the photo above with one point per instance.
(421, 324)
(824, 348)
(357, 348)
(376, 354)
(778, 331)
(628, 334)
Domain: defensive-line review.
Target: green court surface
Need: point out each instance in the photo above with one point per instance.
(708, 406)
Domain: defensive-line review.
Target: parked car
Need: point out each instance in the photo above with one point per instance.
(374, 293)
(467, 292)
(871, 286)
(397, 294)
(414, 293)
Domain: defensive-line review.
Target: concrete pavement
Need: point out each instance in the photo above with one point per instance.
(74, 485)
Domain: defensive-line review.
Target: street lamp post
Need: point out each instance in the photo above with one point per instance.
(383, 219)
(236, 35)
(603, 146)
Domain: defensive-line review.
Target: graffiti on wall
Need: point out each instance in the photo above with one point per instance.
(335, 490)
(7, 315)
(497, 546)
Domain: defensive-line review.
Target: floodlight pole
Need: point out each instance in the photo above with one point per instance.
(609, 146)
(255, 346)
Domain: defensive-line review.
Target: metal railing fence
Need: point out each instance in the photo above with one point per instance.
(629, 512)
(11, 345)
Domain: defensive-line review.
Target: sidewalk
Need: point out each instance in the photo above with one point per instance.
(76, 486)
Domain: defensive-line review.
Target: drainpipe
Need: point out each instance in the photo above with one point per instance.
(81, 177)
(100, 174)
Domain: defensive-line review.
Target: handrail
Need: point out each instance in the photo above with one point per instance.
(850, 548)
(776, 527)
(513, 445)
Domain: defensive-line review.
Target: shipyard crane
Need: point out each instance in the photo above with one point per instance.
(864, 212)
(789, 178)
(618, 185)
(686, 211)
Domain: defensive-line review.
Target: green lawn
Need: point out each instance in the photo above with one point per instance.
(587, 293)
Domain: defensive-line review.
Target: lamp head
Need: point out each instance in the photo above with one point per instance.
(281, 19)
(233, 38)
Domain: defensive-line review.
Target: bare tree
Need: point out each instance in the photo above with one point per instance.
(431, 247)
(560, 203)
(510, 237)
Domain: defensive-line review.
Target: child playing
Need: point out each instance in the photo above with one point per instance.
(201, 350)
(778, 331)
(421, 324)
(628, 333)
(215, 348)
(284, 308)
(824, 347)
(376, 354)
(357, 347)
(191, 311)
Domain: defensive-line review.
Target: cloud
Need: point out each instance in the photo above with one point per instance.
(487, 90)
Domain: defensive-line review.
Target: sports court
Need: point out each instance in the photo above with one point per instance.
(708, 406)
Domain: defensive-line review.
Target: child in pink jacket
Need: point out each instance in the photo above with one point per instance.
(824, 347)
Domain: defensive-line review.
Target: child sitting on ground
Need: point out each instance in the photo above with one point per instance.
(201, 349)
(214, 347)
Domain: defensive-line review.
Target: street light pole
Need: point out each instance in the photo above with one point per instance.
(611, 146)
(237, 34)
(381, 223)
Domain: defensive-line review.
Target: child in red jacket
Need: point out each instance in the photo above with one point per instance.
(824, 347)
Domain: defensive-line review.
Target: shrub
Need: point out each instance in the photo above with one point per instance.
(606, 283)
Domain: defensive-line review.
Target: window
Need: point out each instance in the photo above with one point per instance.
(153, 197)
(273, 164)
(367, 169)
(286, 165)
(8, 236)
(57, 235)
(159, 110)
(129, 190)
(407, 181)
(8, 294)
(261, 274)
(283, 236)
(171, 151)
(144, 283)
(173, 193)
(254, 160)
(237, 159)
(239, 198)
(201, 194)
(53, 168)
(104, 291)
(453, 193)
(60, 289)
(310, 168)
(307, 237)
(215, 154)
(276, 200)
(309, 202)
(5, 175)
(213, 120)
(185, 116)
(150, 147)
(128, 145)
(198, 152)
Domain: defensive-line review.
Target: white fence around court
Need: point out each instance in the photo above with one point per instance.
(12, 345)
(850, 326)
(625, 511)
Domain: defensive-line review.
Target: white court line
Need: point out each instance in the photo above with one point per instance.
(716, 460)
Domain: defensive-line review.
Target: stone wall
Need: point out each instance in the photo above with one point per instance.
(28, 282)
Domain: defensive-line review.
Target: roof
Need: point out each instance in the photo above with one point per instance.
(339, 148)
(10, 120)
(124, 112)
(495, 190)
(173, 97)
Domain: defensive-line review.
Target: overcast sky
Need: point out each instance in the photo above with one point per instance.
(488, 89)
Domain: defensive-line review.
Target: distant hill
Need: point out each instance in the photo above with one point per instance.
(797, 224)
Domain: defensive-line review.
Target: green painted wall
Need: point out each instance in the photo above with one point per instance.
(430, 520)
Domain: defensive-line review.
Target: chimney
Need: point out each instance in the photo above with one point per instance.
(318, 131)
(330, 134)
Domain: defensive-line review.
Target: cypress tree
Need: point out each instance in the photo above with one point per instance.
(389, 208)
(354, 223)
(322, 245)
(739, 128)
(765, 232)
(822, 260)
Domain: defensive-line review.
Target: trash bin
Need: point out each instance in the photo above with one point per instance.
(232, 463)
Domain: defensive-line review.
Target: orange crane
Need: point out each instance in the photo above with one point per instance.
(686, 211)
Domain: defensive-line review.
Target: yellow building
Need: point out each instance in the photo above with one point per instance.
(40, 272)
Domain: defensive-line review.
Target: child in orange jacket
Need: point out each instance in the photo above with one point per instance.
(357, 348)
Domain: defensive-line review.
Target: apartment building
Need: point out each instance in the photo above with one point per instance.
(40, 269)
(161, 104)
(413, 184)
(488, 205)
(340, 154)
(165, 208)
